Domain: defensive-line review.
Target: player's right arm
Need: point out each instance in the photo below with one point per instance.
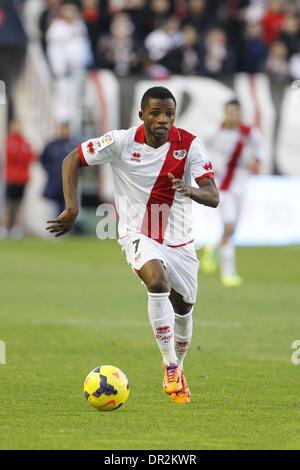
(65, 221)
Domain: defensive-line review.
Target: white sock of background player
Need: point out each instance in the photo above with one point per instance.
(161, 316)
(183, 335)
(227, 259)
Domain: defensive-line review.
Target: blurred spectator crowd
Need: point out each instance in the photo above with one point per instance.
(158, 38)
(150, 38)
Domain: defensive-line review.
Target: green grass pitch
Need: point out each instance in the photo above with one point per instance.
(71, 305)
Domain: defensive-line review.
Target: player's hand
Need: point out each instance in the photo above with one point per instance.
(63, 223)
(180, 186)
(254, 167)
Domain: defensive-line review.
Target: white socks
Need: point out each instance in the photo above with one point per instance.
(173, 332)
(227, 259)
(161, 316)
(183, 335)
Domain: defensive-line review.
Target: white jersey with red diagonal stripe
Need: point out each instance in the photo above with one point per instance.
(232, 151)
(145, 200)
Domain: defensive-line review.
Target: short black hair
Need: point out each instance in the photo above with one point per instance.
(234, 102)
(157, 92)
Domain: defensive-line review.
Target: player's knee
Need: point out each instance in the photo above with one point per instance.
(158, 286)
(229, 230)
(183, 309)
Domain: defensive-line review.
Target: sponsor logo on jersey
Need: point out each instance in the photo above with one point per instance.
(179, 154)
(105, 140)
(135, 157)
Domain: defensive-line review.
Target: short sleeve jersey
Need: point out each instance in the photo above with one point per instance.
(145, 200)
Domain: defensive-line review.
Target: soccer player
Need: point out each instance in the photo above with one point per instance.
(153, 165)
(236, 151)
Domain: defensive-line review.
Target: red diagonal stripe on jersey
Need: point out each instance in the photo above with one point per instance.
(161, 199)
(244, 132)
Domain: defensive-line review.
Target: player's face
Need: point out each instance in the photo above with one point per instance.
(158, 117)
(15, 126)
(64, 131)
(232, 114)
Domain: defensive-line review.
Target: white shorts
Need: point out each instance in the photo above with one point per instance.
(230, 207)
(181, 263)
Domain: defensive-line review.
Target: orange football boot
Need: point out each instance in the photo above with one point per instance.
(172, 379)
(184, 395)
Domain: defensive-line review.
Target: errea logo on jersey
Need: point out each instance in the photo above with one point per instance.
(208, 166)
(135, 157)
(91, 148)
(179, 154)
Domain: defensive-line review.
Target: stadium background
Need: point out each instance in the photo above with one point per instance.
(256, 55)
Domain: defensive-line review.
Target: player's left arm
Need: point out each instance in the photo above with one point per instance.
(207, 193)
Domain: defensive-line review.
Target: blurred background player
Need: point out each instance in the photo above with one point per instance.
(235, 149)
(19, 156)
(51, 160)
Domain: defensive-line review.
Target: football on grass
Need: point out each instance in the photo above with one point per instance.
(106, 388)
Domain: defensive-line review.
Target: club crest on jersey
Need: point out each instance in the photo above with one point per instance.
(179, 154)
